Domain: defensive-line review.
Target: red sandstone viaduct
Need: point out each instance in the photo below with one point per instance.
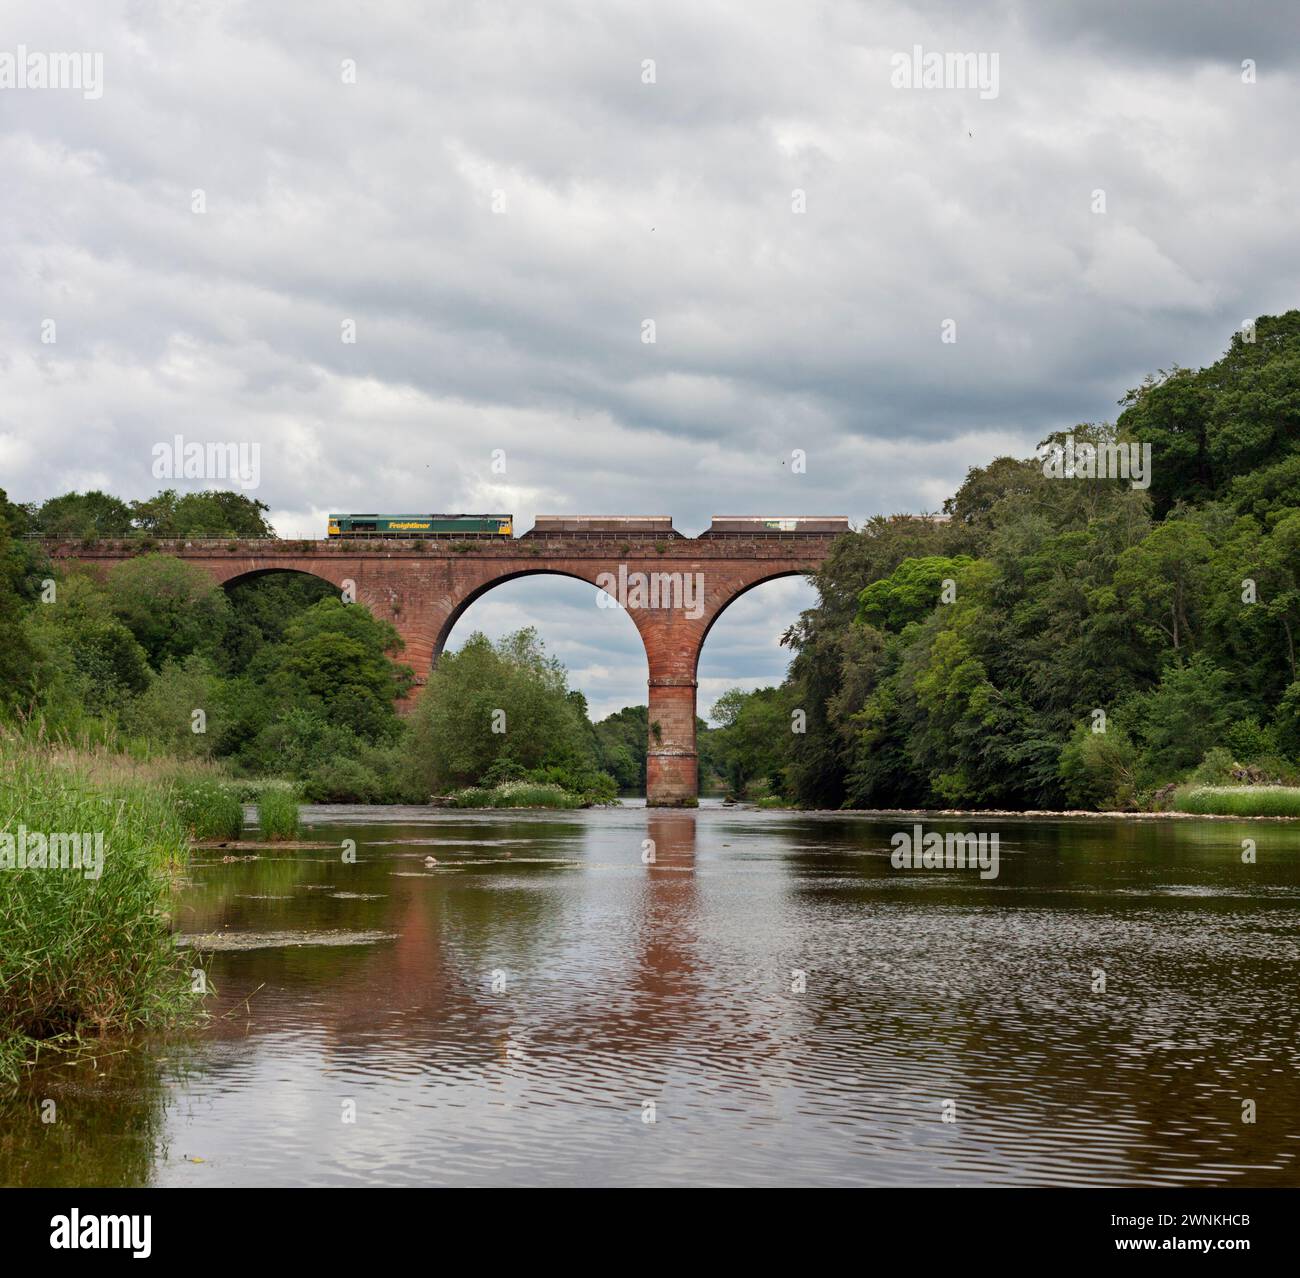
(423, 587)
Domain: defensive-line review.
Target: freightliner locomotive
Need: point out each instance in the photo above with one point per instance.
(412, 526)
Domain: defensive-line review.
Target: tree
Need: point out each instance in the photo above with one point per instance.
(910, 592)
(164, 712)
(87, 661)
(339, 657)
(262, 609)
(492, 711)
(1162, 582)
(172, 607)
(1099, 769)
(82, 516)
(621, 742)
(17, 659)
(751, 743)
(1208, 427)
(214, 513)
(1185, 715)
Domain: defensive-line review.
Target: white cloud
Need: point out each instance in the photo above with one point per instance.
(623, 201)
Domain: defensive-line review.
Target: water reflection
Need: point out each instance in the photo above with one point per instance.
(796, 1010)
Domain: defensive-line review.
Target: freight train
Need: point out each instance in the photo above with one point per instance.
(602, 526)
(420, 526)
(768, 526)
(662, 526)
(588, 527)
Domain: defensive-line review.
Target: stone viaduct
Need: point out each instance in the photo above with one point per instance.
(423, 587)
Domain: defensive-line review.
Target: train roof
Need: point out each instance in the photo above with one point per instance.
(383, 514)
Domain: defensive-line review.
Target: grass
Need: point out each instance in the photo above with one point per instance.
(82, 956)
(518, 794)
(277, 815)
(208, 808)
(251, 789)
(1240, 800)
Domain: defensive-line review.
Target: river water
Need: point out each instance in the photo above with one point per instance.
(767, 1001)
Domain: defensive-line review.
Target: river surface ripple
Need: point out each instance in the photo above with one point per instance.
(785, 1006)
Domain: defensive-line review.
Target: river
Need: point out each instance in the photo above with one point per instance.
(765, 1001)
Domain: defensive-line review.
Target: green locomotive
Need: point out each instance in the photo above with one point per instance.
(420, 526)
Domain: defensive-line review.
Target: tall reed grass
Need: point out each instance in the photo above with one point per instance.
(208, 808)
(277, 815)
(81, 955)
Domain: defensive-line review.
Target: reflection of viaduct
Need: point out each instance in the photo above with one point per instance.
(434, 977)
(423, 587)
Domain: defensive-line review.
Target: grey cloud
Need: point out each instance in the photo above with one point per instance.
(776, 330)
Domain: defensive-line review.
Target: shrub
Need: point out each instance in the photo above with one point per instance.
(1248, 741)
(251, 789)
(1214, 769)
(1098, 768)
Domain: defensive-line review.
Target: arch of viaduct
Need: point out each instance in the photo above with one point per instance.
(423, 588)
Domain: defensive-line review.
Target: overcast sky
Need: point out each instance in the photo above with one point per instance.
(507, 192)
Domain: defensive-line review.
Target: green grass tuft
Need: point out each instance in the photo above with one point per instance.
(518, 794)
(207, 806)
(1240, 800)
(277, 815)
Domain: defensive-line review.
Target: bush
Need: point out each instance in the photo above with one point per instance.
(1098, 769)
(343, 779)
(363, 773)
(277, 815)
(586, 783)
(1214, 769)
(1248, 741)
(164, 712)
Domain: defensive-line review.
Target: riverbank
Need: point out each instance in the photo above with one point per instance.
(1067, 814)
(92, 848)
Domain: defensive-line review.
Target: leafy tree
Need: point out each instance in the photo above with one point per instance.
(490, 711)
(339, 657)
(1100, 769)
(1186, 714)
(81, 516)
(214, 513)
(171, 606)
(164, 712)
(910, 592)
(1210, 427)
(751, 743)
(17, 659)
(1286, 723)
(87, 661)
(262, 609)
(621, 741)
(990, 492)
(1162, 582)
